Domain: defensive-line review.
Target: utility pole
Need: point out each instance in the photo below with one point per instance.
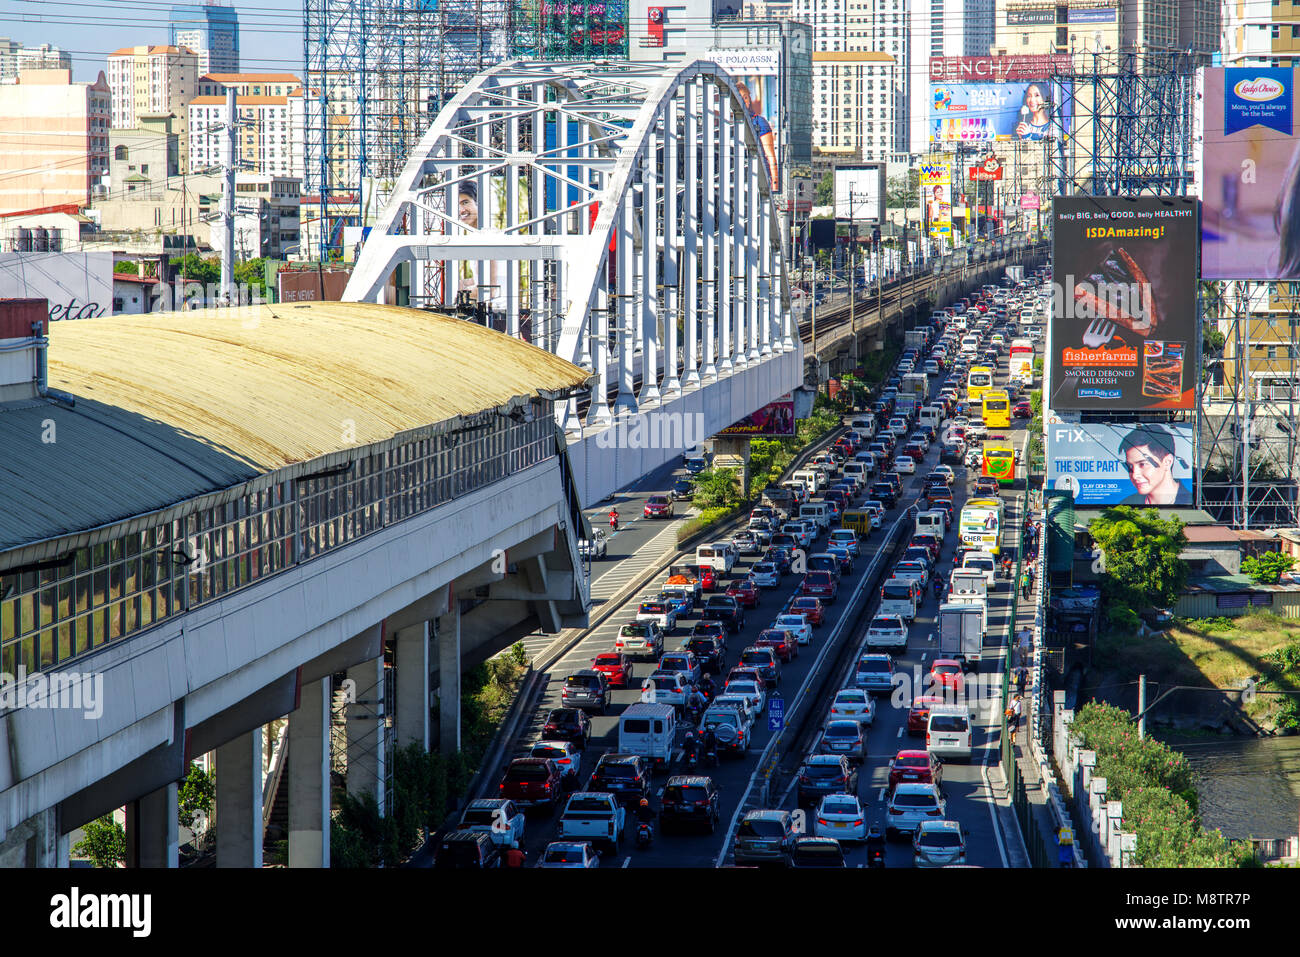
(228, 199)
(1142, 707)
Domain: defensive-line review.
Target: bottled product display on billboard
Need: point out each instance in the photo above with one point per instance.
(1124, 330)
(1130, 464)
(985, 112)
(1250, 173)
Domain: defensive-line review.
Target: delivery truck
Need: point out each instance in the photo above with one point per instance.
(961, 633)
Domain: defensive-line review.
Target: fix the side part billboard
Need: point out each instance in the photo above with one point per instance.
(1250, 223)
(1124, 331)
(1135, 464)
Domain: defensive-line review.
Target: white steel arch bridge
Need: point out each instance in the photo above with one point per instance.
(620, 215)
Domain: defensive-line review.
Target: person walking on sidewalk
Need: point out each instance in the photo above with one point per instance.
(1024, 584)
(1013, 717)
(1024, 645)
(1022, 678)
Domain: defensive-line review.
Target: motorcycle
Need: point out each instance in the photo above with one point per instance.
(692, 759)
(876, 857)
(645, 835)
(613, 523)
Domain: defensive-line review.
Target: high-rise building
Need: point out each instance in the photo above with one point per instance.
(1101, 26)
(53, 139)
(14, 58)
(209, 30)
(1257, 34)
(854, 98)
(270, 136)
(151, 80)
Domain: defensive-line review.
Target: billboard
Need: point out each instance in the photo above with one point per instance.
(1250, 214)
(776, 419)
(998, 69)
(860, 192)
(574, 30)
(756, 73)
(1026, 18)
(1133, 464)
(985, 112)
(1124, 330)
(1092, 15)
(936, 195)
(75, 285)
(989, 170)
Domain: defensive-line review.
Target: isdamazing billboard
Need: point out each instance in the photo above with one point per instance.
(776, 419)
(1135, 464)
(1250, 182)
(1123, 335)
(984, 112)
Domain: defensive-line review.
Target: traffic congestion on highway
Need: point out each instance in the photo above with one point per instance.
(820, 686)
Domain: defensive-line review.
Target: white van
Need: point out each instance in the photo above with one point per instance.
(948, 732)
(813, 479)
(899, 597)
(717, 556)
(931, 415)
(970, 344)
(858, 472)
(984, 562)
(867, 427)
(648, 730)
(932, 522)
(819, 512)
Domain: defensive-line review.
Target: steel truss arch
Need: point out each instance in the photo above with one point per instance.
(525, 204)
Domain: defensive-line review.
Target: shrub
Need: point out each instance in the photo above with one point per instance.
(1267, 569)
(104, 843)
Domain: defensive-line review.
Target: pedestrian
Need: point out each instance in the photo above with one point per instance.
(515, 857)
(1065, 847)
(1013, 717)
(1022, 678)
(1024, 645)
(1024, 584)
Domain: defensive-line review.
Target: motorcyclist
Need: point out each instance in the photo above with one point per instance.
(690, 746)
(706, 687)
(613, 519)
(938, 585)
(645, 815)
(709, 745)
(695, 704)
(875, 843)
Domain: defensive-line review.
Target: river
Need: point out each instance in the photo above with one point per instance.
(1248, 787)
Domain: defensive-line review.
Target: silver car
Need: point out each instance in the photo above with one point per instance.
(911, 805)
(844, 736)
(764, 837)
(569, 854)
(855, 704)
(938, 844)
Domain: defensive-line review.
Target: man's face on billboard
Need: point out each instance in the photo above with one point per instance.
(1147, 468)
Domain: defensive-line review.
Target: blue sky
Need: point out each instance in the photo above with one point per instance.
(270, 31)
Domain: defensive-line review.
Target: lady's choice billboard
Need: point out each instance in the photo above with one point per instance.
(1123, 331)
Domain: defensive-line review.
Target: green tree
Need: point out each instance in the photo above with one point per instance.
(904, 191)
(196, 269)
(716, 488)
(825, 190)
(104, 843)
(126, 269)
(252, 273)
(1267, 569)
(196, 795)
(1141, 550)
(1213, 339)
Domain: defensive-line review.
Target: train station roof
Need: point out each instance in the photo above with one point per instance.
(175, 405)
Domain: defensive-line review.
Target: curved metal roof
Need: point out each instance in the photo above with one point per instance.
(171, 406)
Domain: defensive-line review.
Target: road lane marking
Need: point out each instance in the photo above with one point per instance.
(900, 733)
(627, 860)
(881, 796)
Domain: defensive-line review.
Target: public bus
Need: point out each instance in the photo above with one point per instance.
(1022, 361)
(978, 380)
(997, 409)
(980, 525)
(999, 461)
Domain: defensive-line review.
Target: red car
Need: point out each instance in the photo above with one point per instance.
(616, 667)
(1022, 410)
(916, 453)
(781, 641)
(927, 541)
(947, 673)
(810, 608)
(707, 576)
(745, 592)
(918, 718)
(915, 767)
(820, 584)
(532, 782)
(658, 506)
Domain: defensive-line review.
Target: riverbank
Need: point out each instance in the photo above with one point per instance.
(1198, 656)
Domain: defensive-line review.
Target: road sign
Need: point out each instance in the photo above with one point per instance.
(775, 713)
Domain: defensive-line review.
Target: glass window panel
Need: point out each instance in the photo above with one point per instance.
(65, 641)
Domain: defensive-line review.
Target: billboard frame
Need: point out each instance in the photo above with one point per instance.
(849, 204)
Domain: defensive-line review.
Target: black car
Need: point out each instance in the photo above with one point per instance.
(473, 850)
(894, 479)
(709, 652)
(627, 776)
(884, 493)
(779, 556)
(725, 609)
(586, 689)
(808, 851)
(567, 724)
(690, 799)
(683, 489)
(825, 774)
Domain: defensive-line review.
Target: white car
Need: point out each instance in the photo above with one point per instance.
(845, 538)
(876, 509)
(854, 703)
(887, 631)
(947, 472)
(840, 816)
(905, 465)
(797, 624)
(662, 613)
(915, 570)
(911, 805)
(744, 702)
(569, 854)
(564, 753)
(755, 691)
(670, 687)
(765, 575)
(939, 844)
(502, 819)
(977, 429)
(800, 532)
(594, 547)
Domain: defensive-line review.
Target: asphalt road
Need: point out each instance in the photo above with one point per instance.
(965, 786)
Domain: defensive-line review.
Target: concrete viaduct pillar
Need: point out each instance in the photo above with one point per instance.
(366, 731)
(412, 677)
(239, 801)
(449, 664)
(309, 776)
(151, 825)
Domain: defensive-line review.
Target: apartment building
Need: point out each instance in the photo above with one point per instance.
(1102, 26)
(53, 139)
(270, 135)
(14, 58)
(1261, 34)
(147, 80)
(209, 30)
(854, 102)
